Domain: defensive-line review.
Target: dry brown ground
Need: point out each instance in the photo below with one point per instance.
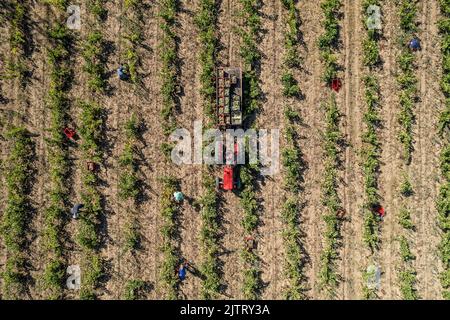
(271, 117)
(146, 101)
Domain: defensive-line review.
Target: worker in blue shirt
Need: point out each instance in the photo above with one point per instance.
(122, 72)
(182, 272)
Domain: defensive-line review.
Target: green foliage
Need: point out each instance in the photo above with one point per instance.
(91, 132)
(93, 54)
(328, 277)
(250, 53)
(18, 172)
(169, 211)
(15, 64)
(61, 4)
(328, 41)
(249, 34)
(134, 288)
(206, 21)
(443, 200)
(93, 272)
(290, 85)
(97, 8)
(407, 278)
(168, 55)
(404, 219)
(406, 188)
(407, 275)
(209, 235)
(408, 15)
(133, 37)
(58, 57)
(292, 159)
(293, 255)
(371, 163)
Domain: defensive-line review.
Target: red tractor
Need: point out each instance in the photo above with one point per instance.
(229, 116)
(231, 179)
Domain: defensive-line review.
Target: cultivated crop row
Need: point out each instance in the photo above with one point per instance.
(91, 129)
(291, 156)
(129, 182)
(18, 172)
(328, 278)
(206, 21)
(407, 82)
(330, 38)
(251, 56)
(407, 79)
(134, 36)
(443, 201)
(168, 50)
(328, 46)
(371, 149)
(169, 213)
(15, 63)
(168, 54)
(129, 189)
(93, 50)
(58, 59)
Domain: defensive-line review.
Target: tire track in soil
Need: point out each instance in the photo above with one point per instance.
(233, 232)
(351, 192)
(270, 246)
(310, 144)
(190, 175)
(150, 257)
(426, 163)
(391, 163)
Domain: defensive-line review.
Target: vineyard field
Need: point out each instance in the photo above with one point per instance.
(357, 205)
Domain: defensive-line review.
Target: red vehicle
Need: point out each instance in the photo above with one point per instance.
(230, 180)
(229, 88)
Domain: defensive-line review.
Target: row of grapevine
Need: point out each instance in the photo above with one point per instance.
(371, 148)
(328, 41)
(291, 156)
(168, 50)
(328, 46)
(18, 172)
(407, 82)
(91, 133)
(251, 56)
(206, 21)
(134, 36)
(91, 130)
(58, 59)
(169, 212)
(15, 63)
(328, 278)
(94, 49)
(407, 79)
(168, 54)
(443, 201)
(129, 190)
(129, 182)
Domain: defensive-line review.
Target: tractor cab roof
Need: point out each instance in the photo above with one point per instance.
(228, 178)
